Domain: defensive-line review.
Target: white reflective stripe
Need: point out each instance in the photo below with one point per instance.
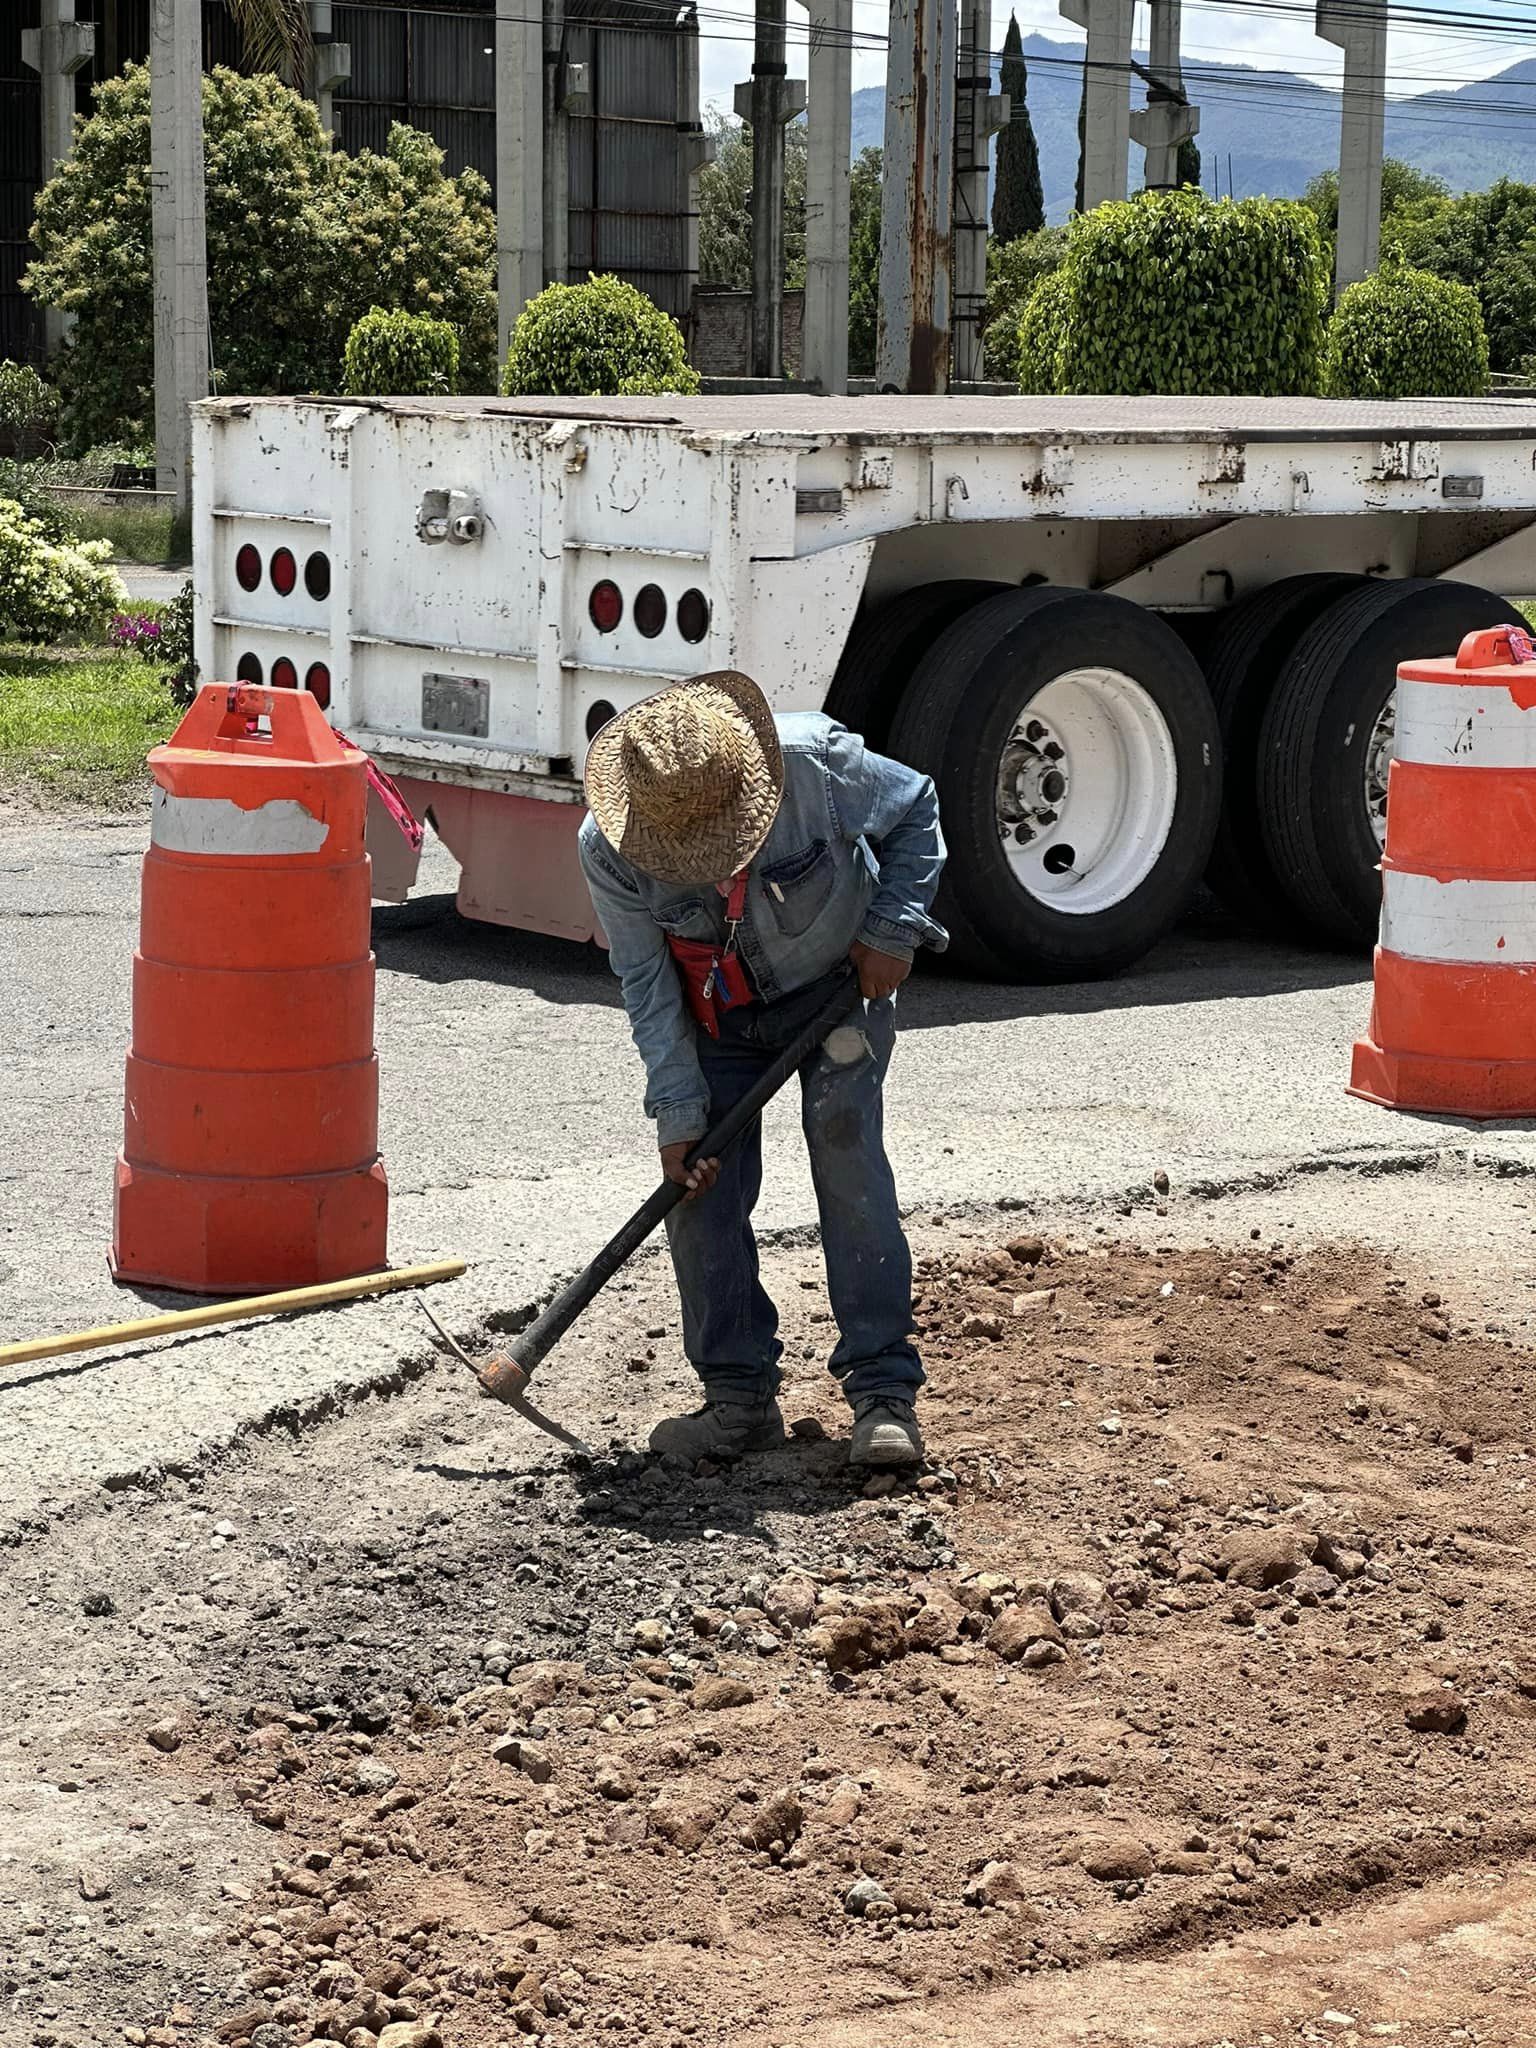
(215, 824)
(1491, 922)
(1464, 725)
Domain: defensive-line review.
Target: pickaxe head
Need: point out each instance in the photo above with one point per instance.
(503, 1379)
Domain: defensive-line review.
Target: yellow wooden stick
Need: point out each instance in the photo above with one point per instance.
(229, 1312)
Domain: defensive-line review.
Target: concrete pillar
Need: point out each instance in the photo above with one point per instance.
(56, 51)
(1107, 137)
(695, 149)
(519, 166)
(330, 63)
(979, 114)
(179, 235)
(1168, 119)
(917, 210)
(1359, 29)
(829, 144)
(767, 101)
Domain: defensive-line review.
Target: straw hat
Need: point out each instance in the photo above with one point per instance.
(686, 783)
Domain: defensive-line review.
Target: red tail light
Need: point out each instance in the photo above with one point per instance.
(318, 683)
(248, 567)
(317, 577)
(605, 607)
(284, 675)
(693, 615)
(284, 572)
(650, 610)
(248, 669)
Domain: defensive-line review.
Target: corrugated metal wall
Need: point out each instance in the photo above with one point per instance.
(432, 66)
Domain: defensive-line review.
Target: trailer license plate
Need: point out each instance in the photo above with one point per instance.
(458, 704)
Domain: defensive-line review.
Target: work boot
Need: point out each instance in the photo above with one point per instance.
(885, 1432)
(721, 1429)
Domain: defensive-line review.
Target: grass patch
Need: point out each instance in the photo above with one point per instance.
(137, 533)
(75, 726)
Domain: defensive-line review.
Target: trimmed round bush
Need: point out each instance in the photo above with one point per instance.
(53, 589)
(595, 340)
(1175, 293)
(401, 355)
(1042, 333)
(1406, 334)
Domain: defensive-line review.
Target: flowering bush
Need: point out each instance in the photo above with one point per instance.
(302, 240)
(53, 590)
(136, 633)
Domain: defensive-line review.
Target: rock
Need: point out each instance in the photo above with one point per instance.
(372, 1717)
(1020, 1626)
(978, 1327)
(717, 1692)
(808, 1429)
(164, 1736)
(1435, 1710)
(686, 1812)
(410, 2034)
(1185, 1863)
(853, 1642)
(650, 1637)
(1436, 1327)
(614, 1781)
(791, 1601)
(1261, 1558)
(940, 1621)
(1312, 1586)
(1113, 1856)
(1027, 1251)
(531, 1758)
(370, 1776)
(995, 1884)
(844, 1804)
(1034, 1301)
(779, 1818)
(1078, 1593)
(97, 1602)
(1160, 1181)
(863, 1893)
(94, 1886)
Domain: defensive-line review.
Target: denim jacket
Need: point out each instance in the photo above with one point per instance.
(854, 853)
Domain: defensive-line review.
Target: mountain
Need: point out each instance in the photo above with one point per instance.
(1278, 130)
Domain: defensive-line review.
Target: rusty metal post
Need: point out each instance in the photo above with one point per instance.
(767, 101)
(917, 210)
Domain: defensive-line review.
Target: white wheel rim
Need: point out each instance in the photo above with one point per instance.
(1086, 789)
(1378, 759)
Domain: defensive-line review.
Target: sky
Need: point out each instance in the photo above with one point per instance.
(1418, 59)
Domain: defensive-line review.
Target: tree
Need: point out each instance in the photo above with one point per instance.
(863, 260)
(1486, 240)
(1013, 270)
(1189, 169)
(1082, 141)
(1018, 205)
(1404, 190)
(725, 207)
(302, 241)
(275, 36)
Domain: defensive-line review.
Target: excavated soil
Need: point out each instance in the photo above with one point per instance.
(1187, 1697)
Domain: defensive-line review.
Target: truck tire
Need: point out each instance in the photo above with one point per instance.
(1078, 764)
(1326, 741)
(1247, 648)
(885, 646)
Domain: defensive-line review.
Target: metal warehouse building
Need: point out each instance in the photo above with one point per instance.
(628, 82)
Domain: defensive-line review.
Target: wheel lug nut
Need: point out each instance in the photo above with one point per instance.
(1034, 730)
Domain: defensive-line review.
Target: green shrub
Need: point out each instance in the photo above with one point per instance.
(1172, 292)
(1042, 333)
(401, 355)
(1486, 240)
(52, 589)
(302, 240)
(1406, 334)
(28, 404)
(1013, 270)
(599, 339)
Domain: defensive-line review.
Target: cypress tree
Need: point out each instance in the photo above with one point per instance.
(1082, 139)
(1188, 172)
(1018, 205)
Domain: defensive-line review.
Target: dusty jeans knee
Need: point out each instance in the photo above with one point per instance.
(730, 1325)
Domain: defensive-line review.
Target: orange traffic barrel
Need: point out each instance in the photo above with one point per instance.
(250, 1139)
(1453, 1015)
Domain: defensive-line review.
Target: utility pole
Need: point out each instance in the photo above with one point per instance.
(180, 240)
(330, 63)
(979, 114)
(1106, 95)
(695, 149)
(917, 207)
(56, 50)
(1359, 29)
(519, 166)
(829, 143)
(1168, 119)
(767, 101)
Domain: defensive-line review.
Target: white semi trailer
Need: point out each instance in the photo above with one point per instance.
(1134, 640)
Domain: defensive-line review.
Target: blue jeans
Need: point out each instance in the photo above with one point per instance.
(730, 1326)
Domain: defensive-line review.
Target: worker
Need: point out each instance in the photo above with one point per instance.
(740, 864)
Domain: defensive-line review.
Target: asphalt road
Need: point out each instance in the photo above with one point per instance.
(513, 1135)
